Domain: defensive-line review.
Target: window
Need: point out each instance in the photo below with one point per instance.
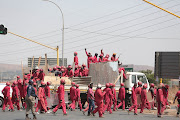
(133, 78)
(142, 78)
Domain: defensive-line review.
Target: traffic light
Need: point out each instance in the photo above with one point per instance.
(3, 30)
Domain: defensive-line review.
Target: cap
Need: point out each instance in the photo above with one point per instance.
(42, 83)
(48, 83)
(76, 66)
(99, 85)
(101, 55)
(139, 83)
(167, 86)
(152, 85)
(8, 84)
(15, 82)
(107, 85)
(145, 86)
(75, 53)
(18, 77)
(34, 83)
(73, 83)
(77, 85)
(122, 84)
(62, 81)
(83, 65)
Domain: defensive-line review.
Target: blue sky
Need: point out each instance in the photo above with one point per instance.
(131, 28)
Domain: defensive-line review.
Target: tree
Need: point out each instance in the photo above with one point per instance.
(150, 75)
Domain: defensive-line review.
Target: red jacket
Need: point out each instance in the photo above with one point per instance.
(41, 93)
(77, 93)
(99, 95)
(108, 94)
(138, 90)
(121, 93)
(133, 96)
(6, 91)
(41, 76)
(124, 75)
(47, 91)
(143, 95)
(95, 59)
(16, 92)
(61, 92)
(76, 60)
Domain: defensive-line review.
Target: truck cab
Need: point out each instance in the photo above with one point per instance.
(133, 77)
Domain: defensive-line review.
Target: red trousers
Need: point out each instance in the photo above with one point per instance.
(7, 102)
(79, 103)
(109, 106)
(41, 104)
(59, 105)
(17, 104)
(134, 106)
(99, 109)
(161, 107)
(73, 104)
(122, 103)
(115, 104)
(145, 104)
(106, 106)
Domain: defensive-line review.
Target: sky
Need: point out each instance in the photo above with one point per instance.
(131, 28)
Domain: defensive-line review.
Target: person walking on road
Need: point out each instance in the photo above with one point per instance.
(91, 99)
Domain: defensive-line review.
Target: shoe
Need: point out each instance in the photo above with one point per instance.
(128, 111)
(34, 117)
(20, 110)
(101, 117)
(53, 113)
(48, 112)
(159, 116)
(27, 118)
(3, 110)
(93, 114)
(37, 113)
(83, 112)
(12, 110)
(65, 114)
(177, 115)
(89, 114)
(135, 114)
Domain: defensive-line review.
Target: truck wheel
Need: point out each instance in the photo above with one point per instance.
(1, 101)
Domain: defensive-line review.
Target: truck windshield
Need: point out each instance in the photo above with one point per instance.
(133, 78)
(142, 78)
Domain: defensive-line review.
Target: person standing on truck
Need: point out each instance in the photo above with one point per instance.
(160, 100)
(90, 58)
(134, 100)
(153, 94)
(108, 96)
(90, 96)
(178, 99)
(78, 97)
(85, 70)
(144, 100)
(95, 58)
(61, 98)
(113, 58)
(69, 71)
(101, 58)
(99, 95)
(7, 99)
(75, 58)
(138, 91)
(106, 58)
(76, 71)
(121, 96)
(30, 101)
(73, 95)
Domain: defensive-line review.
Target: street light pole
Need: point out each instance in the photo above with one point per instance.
(62, 29)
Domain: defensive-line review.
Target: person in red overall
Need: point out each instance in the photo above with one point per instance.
(13, 93)
(134, 100)
(84, 70)
(165, 93)
(61, 98)
(78, 97)
(106, 58)
(90, 58)
(35, 88)
(69, 71)
(178, 99)
(107, 98)
(47, 93)
(76, 71)
(20, 87)
(41, 95)
(113, 58)
(153, 94)
(121, 96)
(72, 96)
(138, 91)
(25, 92)
(95, 58)
(41, 75)
(99, 95)
(114, 97)
(144, 100)
(160, 100)
(16, 95)
(7, 99)
(35, 74)
(75, 58)
(101, 59)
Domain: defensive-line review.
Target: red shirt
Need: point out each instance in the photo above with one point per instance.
(178, 94)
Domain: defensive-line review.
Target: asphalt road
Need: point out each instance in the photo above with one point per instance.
(77, 115)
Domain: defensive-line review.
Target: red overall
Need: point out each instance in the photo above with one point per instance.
(138, 92)
(76, 73)
(122, 97)
(89, 60)
(115, 99)
(145, 102)
(41, 76)
(108, 96)
(47, 93)
(73, 97)
(61, 99)
(78, 98)
(134, 100)
(99, 95)
(124, 75)
(70, 73)
(160, 100)
(7, 99)
(165, 94)
(25, 93)
(95, 59)
(41, 102)
(16, 96)
(85, 72)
